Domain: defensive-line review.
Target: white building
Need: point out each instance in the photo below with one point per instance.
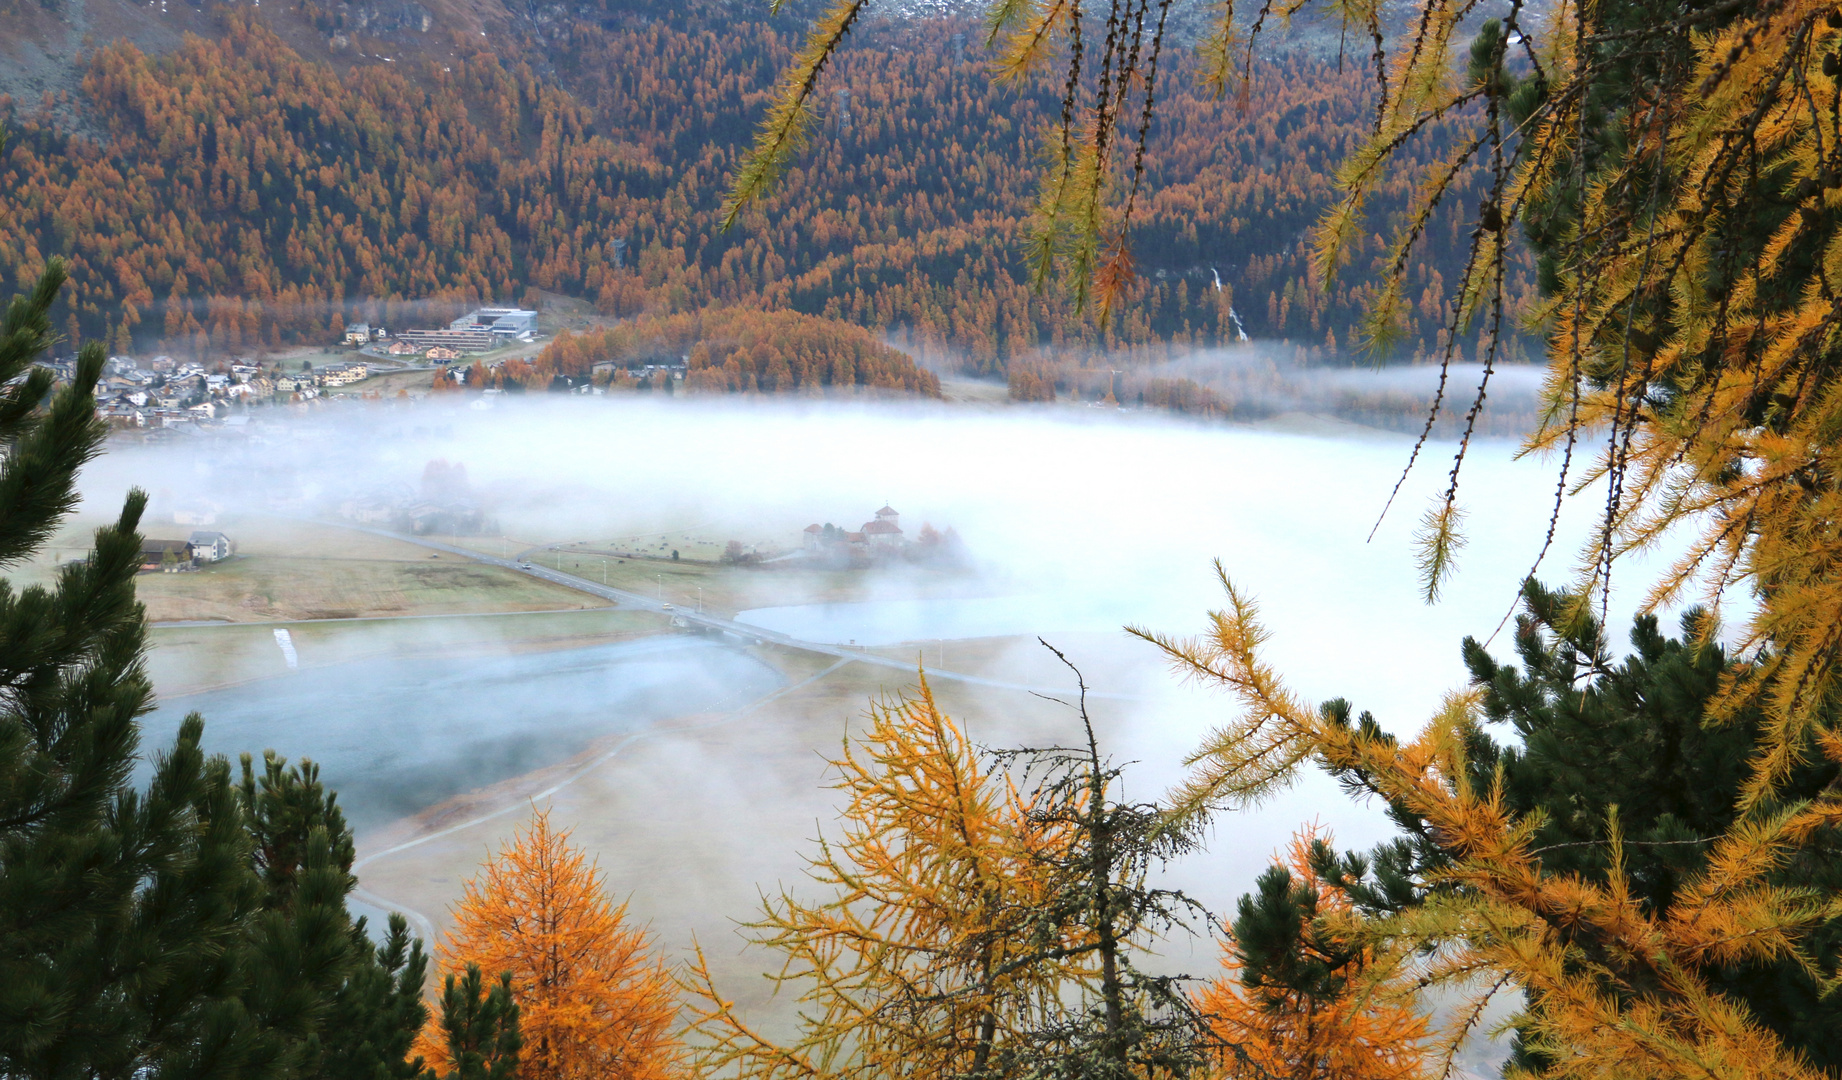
(211, 546)
(502, 321)
(343, 374)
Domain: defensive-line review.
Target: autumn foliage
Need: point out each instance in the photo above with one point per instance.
(240, 195)
(1612, 986)
(593, 1002)
(919, 959)
(736, 350)
(1296, 1004)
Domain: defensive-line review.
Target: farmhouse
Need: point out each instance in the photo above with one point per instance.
(211, 546)
(166, 555)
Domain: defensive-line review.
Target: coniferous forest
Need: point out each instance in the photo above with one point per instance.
(232, 194)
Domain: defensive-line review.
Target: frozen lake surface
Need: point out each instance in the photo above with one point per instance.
(395, 736)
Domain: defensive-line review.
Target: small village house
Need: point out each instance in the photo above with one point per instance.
(343, 374)
(210, 546)
(166, 555)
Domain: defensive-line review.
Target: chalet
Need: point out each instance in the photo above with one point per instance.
(211, 546)
(166, 555)
(357, 334)
(443, 354)
(401, 348)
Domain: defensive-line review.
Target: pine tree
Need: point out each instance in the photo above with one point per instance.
(370, 1032)
(121, 913)
(1638, 743)
(480, 1039)
(1630, 961)
(193, 930)
(354, 1008)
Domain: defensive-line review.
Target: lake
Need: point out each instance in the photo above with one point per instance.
(394, 736)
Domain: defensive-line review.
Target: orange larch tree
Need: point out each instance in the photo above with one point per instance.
(923, 960)
(593, 1000)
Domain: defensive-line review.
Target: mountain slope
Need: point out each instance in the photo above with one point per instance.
(237, 191)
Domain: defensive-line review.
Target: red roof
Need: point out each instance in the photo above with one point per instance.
(814, 528)
(887, 509)
(882, 527)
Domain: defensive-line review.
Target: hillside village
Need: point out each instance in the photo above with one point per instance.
(189, 397)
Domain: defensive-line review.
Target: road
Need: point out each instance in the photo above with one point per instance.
(703, 620)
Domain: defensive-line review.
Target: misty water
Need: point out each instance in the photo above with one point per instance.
(892, 622)
(1073, 520)
(395, 736)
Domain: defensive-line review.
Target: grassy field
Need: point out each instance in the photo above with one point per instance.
(286, 570)
(188, 659)
(386, 383)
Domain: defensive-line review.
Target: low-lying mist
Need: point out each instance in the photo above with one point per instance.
(1077, 520)
(1075, 523)
(1259, 380)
